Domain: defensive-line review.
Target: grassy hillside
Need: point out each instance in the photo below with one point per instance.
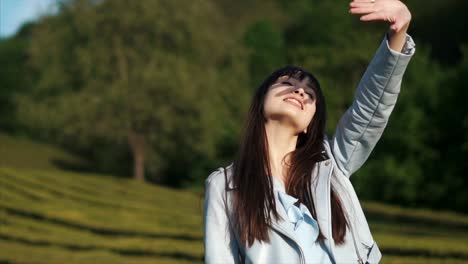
(24, 153)
(51, 216)
(58, 217)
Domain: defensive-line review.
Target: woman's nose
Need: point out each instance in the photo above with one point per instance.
(299, 91)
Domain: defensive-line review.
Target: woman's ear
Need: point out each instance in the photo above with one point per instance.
(305, 131)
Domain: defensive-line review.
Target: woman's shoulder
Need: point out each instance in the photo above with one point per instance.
(327, 147)
(217, 178)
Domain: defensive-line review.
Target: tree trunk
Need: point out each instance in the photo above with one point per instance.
(138, 146)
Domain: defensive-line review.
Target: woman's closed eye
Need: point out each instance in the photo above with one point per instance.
(311, 94)
(308, 91)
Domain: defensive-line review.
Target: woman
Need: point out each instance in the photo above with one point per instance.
(287, 197)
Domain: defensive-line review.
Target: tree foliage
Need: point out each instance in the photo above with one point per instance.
(167, 85)
(131, 72)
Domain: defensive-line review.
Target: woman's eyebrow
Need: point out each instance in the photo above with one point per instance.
(311, 90)
(293, 80)
(309, 87)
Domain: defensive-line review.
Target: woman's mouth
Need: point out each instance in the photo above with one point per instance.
(294, 102)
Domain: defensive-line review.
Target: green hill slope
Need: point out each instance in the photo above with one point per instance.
(60, 217)
(51, 216)
(24, 153)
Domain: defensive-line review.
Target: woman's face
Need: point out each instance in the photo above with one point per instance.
(291, 102)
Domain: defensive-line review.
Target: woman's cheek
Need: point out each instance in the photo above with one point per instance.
(310, 115)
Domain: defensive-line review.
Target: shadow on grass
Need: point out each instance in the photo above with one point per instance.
(422, 253)
(124, 252)
(431, 224)
(414, 220)
(74, 166)
(96, 230)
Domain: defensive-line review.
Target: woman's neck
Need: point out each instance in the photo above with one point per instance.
(281, 141)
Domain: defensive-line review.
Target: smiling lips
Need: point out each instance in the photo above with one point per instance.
(294, 101)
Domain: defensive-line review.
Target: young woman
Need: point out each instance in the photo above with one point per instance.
(287, 197)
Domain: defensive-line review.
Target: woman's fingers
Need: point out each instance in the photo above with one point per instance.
(393, 11)
(369, 17)
(362, 7)
(362, 10)
(360, 4)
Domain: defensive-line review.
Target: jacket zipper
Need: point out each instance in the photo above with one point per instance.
(360, 261)
(301, 256)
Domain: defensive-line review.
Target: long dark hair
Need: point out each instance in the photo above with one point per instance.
(254, 200)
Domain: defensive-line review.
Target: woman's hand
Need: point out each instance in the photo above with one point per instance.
(393, 11)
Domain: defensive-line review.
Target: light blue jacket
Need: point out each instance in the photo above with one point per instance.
(356, 135)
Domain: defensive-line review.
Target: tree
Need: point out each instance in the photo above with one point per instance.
(14, 75)
(130, 72)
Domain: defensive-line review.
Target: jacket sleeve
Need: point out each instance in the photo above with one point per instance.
(219, 241)
(363, 123)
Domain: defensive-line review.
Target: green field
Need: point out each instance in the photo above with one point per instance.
(53, 216)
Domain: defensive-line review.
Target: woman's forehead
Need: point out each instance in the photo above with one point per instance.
(287, 77)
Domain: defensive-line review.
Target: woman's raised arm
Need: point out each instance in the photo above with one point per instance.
(363, 123)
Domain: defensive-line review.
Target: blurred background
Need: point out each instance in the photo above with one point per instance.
(113, 113)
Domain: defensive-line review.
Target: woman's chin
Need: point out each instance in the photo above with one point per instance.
(287, 118)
